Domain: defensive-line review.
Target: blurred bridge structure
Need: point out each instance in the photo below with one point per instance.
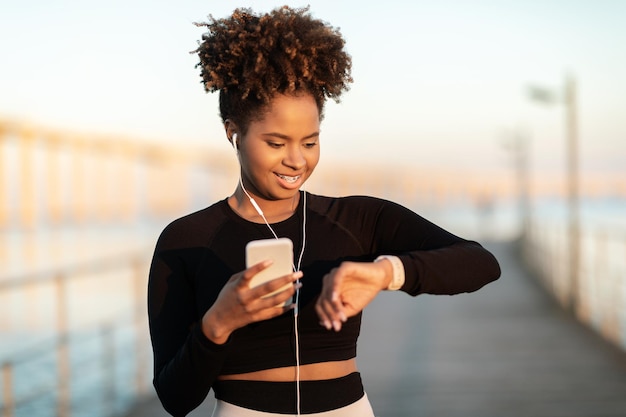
(80, 213)
(51, 176)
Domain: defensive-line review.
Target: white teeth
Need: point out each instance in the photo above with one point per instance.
(289, 179)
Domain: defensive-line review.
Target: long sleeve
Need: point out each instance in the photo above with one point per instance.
(186, 363)
(464, 266)
(195, 256)
(435, 260)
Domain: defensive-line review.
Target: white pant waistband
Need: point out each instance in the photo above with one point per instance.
(360, 408)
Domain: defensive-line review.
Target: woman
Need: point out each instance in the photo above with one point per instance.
(209, 327)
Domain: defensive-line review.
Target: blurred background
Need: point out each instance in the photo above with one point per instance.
(499, 120)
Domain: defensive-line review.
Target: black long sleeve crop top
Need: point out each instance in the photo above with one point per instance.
(197, 254)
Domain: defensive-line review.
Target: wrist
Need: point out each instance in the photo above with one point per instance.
(395, 278)
(213, 328)
(387, 272)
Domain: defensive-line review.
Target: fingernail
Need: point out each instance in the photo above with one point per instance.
(335, 296)
(297, 275)
(336, 325)
(297, 285)
(343, 317)
(326, 324)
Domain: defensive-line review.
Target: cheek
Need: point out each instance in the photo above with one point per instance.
(313, 159)
(255, 159)
(312, 155)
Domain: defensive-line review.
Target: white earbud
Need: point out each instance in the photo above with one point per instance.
(235, 142)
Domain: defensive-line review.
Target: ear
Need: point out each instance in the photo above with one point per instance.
(231, 132)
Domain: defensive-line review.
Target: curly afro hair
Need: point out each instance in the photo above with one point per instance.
(251, 58)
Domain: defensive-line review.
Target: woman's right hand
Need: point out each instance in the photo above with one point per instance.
(238, 305)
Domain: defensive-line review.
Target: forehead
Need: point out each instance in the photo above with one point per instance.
(290, 109)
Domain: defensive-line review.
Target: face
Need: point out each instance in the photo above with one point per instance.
(280, 151)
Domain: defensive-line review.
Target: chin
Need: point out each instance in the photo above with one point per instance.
(284, 194)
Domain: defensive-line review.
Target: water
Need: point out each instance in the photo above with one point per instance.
(104, 363)
(32, 252)
(108, 346)
(108, 369)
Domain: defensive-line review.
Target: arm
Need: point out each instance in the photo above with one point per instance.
(186, 362)
(433, 261)
(464, 266)
(189, 346)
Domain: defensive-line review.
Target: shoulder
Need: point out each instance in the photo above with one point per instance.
(322, 201)
(358, 210)
(351, 204)
(194, 228)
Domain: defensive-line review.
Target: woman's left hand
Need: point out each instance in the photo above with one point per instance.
(348, 289)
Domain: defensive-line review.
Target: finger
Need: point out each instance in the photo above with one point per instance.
(335, 311)
(338, 309)
(333, 283)
(328, 285)
(323, 308)
(275, 295)
(285, 279)
(330, 305)
(275, 284)
(281, 299)
(324, 318)
(249, 273)
(329, 316)
(274, 310)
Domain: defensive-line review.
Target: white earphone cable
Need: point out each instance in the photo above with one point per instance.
(296, 311)
(295, 269)
(257, 208)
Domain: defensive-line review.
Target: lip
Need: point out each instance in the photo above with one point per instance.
(289, 185)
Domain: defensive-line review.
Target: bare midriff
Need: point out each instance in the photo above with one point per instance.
(310, 372)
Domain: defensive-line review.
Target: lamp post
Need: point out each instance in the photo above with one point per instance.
(518, 143)
(568, 99)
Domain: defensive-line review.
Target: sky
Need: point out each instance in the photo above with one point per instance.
(436, 84)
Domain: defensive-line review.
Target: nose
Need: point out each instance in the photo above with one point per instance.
(294, 158)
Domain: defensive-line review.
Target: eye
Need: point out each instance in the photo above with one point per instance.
(274, 145)
(310, 145)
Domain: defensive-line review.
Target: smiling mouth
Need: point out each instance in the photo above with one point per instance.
(289, 179)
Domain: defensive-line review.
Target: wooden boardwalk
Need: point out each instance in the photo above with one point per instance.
(505, 351)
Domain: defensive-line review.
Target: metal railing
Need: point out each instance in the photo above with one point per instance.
(59, 390)
(51, 177)
(59, 175)
(601, 285)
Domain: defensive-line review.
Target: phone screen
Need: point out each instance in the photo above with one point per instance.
(280, 251)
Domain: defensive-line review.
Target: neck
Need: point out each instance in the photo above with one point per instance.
(273, 210)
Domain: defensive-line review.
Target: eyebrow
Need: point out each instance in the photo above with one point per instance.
(286, 137)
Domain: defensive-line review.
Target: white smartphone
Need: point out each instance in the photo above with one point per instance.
(280, 251)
